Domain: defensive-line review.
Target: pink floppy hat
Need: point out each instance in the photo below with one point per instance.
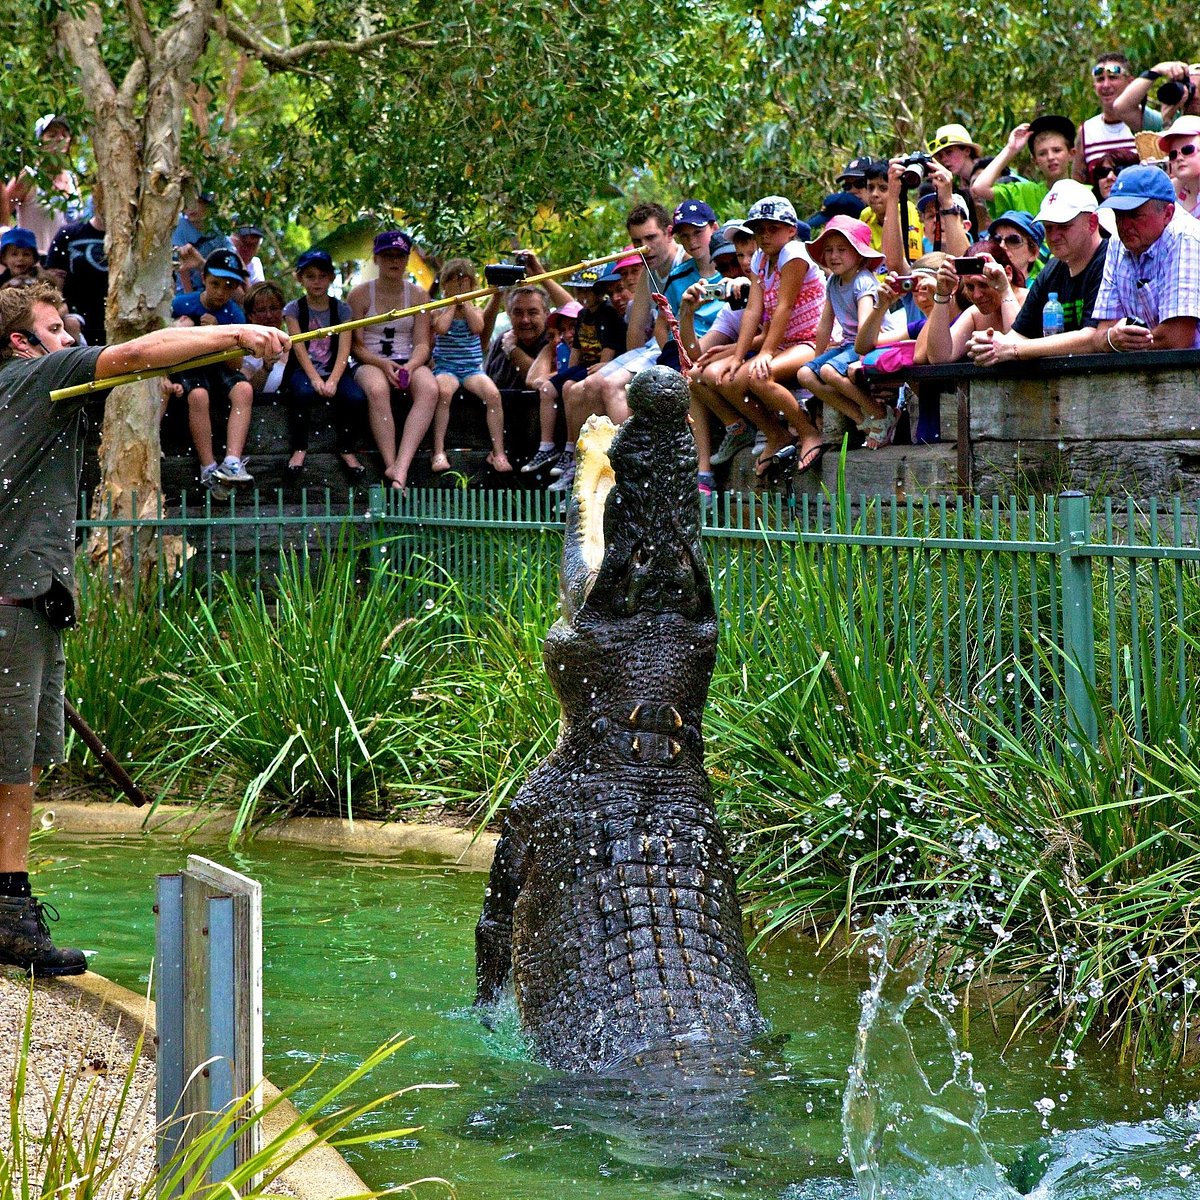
(569, 312)
(854, 231)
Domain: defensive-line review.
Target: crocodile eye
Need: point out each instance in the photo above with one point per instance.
(641, 557)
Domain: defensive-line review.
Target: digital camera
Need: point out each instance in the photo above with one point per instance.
(916, 167)
(1176, 91)
(504, 274)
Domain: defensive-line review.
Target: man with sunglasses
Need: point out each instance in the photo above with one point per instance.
(1149, 298)
(1106, 134)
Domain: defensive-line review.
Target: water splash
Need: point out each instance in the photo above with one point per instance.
(912, 1130)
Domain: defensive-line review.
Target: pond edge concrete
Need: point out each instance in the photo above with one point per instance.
(464, 848)
(322, 1174)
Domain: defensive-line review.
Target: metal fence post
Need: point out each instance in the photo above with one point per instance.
(376, 511)
(1078, 627)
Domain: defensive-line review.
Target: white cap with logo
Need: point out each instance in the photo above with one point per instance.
(1066, 200)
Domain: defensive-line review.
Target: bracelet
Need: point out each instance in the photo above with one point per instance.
(1110, 342)
(1151, 75)
(949, 212)
(939, 300)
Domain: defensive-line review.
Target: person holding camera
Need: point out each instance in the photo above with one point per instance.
(41, 453)
(1106, 133)
(880, 198)
(995, 293)
(949, 226)
(1149, 298)
(1176, 86)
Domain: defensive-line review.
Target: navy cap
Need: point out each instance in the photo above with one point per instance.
(856, 168)
(18, 237)
(249, 231)
(693, 212)
(1052, 123)
(608, 276)
(1029, 225)
(315, 258)
(587, 278)
(225, 264)
(1136, 185)
(719, 246)
(836, 204)
(392, 239)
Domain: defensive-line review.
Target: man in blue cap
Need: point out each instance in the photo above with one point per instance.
(1149, 297)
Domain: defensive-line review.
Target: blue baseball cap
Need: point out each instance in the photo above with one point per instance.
(18, 237)
(1025, 222)
(719, 246)
(836, 204)
(693, 212)
(1136, 185)
(315, 258)
(608, 276)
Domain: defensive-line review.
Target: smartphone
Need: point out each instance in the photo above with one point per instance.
(968, 266)
(1136, 323)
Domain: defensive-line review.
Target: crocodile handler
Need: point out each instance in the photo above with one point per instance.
(612, 898)
(41, 448)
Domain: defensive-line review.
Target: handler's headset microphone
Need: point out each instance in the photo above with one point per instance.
(33, 339)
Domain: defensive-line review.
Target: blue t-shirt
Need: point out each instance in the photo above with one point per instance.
(189, 304)
(678, 282)
(186, 234)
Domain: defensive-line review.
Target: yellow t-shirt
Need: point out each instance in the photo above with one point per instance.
(916, 243)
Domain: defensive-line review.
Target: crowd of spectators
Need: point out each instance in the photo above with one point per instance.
(1073, 238)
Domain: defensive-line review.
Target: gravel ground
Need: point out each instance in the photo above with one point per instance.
(89, 1053)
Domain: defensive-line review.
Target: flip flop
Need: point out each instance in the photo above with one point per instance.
(812, 460)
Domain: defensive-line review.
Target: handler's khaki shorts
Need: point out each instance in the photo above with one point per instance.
(31, 694)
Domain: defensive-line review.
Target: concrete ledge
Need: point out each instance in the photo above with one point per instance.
(464, 848)
(322, 1174)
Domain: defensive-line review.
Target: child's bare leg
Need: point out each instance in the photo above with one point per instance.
(447, 385)
(698, 414)
(481, 386)
(200, 425)
(853, 393)
(830, 395)
(241, 400)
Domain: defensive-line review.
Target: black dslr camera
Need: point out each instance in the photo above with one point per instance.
(916, 167)
(1176, 91)
(738, 293)
(505, 274)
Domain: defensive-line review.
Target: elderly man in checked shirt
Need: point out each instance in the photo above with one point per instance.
(1149, 298)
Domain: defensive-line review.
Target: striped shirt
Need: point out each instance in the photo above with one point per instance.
(1158, 285)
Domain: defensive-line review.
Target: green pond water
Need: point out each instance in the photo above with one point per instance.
(359, 949)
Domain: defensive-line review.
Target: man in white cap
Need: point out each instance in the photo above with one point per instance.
(1070, 216)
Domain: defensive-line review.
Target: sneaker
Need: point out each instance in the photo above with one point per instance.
(732, 444)
(565, 461)
(566, 480)
(232, 470)
(25, 939)
(543, 458)
(760, 443)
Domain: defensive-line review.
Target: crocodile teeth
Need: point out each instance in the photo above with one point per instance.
(675, 716)
(633, 716)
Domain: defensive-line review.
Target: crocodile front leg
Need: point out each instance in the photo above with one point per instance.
(493, 934)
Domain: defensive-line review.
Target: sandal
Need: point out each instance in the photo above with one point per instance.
(439, 463)
(769, 459)
(812, 459)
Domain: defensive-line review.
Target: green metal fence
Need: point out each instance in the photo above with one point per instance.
(1033, 607)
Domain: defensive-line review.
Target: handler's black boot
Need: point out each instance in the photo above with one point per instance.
(25, 939)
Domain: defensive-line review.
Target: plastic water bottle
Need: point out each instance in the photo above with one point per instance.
(1052, 316)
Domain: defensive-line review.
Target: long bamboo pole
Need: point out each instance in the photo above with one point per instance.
(112, 381)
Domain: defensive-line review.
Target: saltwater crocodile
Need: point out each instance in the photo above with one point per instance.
(612, 899)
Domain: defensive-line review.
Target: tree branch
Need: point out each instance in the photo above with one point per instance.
(287, 58)
(80, 36)
(141, 28)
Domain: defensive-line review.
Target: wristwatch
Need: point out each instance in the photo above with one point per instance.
(1151, 75)
(949, 212)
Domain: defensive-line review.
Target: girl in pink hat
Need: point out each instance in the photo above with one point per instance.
(844, 249)
(1180, 145)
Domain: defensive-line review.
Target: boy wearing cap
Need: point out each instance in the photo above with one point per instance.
(220, 382)
(1051, 142)
(18, 255)
(854, 178)
(33, 209)
(1069, 216)
(1151, 270)
(692, 226)
(246, 241)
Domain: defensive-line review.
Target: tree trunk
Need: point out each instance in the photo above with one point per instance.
(136, 138)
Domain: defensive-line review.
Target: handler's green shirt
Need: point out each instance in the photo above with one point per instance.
(41, 456)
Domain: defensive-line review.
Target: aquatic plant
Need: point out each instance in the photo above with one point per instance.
(88, 1131)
